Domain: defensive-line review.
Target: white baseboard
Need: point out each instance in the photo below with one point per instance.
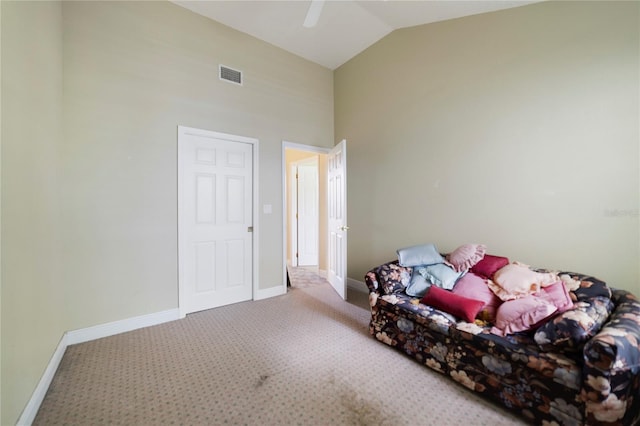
(270, 292)
(122, 326)
(84, 335)
(356, 285)
(32, 407)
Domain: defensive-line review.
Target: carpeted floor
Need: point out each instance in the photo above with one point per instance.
(304, 358)
(305, 276)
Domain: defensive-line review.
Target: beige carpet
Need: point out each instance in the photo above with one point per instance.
(304, 358)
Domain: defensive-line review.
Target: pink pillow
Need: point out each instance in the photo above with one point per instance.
(446, 301)
(558, 296)
(488, 265)
(475, 287)
(521, 315)
(465, 256)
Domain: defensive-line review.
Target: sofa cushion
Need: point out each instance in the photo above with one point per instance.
(473, 286)
(571, 329)
(425, 254)
(457, 305)
(466, 256)
(395, 311)
(488, 265)
(393, 278)
(400, 305)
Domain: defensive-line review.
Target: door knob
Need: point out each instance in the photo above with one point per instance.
(343, 228)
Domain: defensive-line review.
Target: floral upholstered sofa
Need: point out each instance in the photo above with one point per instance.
(575, 363)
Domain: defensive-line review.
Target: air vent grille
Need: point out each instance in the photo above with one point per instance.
(230, 75)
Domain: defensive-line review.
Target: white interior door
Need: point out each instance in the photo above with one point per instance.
(337, 211)
(215, 205)
(293, 223)
(307, 212)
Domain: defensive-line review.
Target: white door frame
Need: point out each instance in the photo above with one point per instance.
(183, 131)
(300, 147)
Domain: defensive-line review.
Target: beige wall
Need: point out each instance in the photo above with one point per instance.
(133, 72)
(89, 196)
(33, 303)
(518, 129)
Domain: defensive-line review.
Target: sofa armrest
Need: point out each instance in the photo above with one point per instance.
(371, 280)
(611, 375)
(388, 278)
(617, 344)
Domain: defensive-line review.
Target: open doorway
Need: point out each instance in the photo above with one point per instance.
(305, 207)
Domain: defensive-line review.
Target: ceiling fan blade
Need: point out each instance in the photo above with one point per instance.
(313, 14)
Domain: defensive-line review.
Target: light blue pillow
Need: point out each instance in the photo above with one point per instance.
(418, 285)
(440, 275)
(425, 254)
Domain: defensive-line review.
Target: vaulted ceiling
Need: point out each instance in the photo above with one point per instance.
(344, 28)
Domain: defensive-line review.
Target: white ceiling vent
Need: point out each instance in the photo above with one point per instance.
(230, 75)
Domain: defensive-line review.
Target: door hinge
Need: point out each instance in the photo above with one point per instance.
(250, 229)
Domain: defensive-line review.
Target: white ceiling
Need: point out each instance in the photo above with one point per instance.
(345, 28)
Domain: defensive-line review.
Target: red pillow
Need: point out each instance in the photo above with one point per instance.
(488, 265)
(446, 301)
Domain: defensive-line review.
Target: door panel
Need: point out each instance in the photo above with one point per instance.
(236, 197)
(205, 267)
(235, 262)
(205, 198)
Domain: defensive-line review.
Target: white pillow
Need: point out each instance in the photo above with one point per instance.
(518, 280)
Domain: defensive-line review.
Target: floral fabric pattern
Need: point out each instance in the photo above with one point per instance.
(571, 329)
(598, 384)
(585, 287)
(612, 395)
(392, 277)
